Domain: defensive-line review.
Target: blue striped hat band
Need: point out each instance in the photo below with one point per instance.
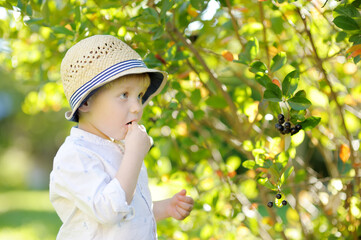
(102, 77)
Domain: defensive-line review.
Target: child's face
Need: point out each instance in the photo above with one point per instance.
(112, 109)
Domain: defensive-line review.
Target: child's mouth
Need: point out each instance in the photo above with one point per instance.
(129, 123)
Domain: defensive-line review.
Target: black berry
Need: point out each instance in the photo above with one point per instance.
(287, 130)
(298, 127)
(281, 118)
(270, 204)
(284, 202)
(279, 127)
(278, 196)
(287, 125)
(294, 131)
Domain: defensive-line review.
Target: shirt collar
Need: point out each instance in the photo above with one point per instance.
(87, 136)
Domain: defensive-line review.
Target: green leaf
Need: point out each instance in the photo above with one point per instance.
(347, 10)
(299, 103)
(285, 175)
(290, 83)
(166, 6)
(263, 79)
(180, 96)
(310, 123)
(249, 164)
(157, 32)
(216, 102)
(346, 23)
(77, 14)
(273, 93)
(6, 4)
(250, 52)
(300, 93)
(196, 97)
(257, 67)
(274, 171)
(265, 182)
(341, 36)
(278, 61)
(62, 30)
(277, 24)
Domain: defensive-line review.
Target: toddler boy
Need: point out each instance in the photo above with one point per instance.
(99, 183)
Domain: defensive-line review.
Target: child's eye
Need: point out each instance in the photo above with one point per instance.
(140, 96)
(124, 95)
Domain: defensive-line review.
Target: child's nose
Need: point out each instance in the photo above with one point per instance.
(136, 106)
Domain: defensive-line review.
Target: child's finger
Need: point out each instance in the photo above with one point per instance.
(182, 212)
(186, 206)
(186, 199)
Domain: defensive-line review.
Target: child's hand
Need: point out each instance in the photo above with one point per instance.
(137, 140)
(180, 205)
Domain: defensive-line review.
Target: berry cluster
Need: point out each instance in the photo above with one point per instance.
(278, 196)
(285, 126)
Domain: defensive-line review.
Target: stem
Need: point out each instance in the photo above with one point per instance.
(261, 11)
(235, 120)
(319, 65)
(270, 211)
(234, 22)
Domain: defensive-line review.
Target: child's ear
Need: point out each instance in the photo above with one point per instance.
(85, 107)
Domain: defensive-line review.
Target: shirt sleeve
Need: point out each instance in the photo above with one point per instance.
(79, 175)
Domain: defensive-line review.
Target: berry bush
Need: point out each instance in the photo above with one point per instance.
(260, 119)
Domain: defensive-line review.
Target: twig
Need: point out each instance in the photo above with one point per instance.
(260, 4)
(234, 22)
(235, 121)
(333, 94)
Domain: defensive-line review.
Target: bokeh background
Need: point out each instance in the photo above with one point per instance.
(214, 123)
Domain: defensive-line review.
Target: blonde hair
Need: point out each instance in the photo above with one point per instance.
(144, 78)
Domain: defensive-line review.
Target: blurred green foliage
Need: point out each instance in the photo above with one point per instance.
(234, 66)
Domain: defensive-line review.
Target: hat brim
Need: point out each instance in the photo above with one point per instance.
(158, 80)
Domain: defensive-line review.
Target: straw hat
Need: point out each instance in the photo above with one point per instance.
(100, 59)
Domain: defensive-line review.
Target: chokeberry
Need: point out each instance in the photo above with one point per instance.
(270, 204)
(294, 131)
(278, 196)
(284, 202)
(287, 130)
(281, 118)
(287, 125)
(279, 127)
(298, 127)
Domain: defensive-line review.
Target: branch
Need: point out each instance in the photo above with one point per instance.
(261, 12)
(235, 121)
(234, 22)
(319, 65)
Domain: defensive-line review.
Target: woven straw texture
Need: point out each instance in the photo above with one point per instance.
(94, 55)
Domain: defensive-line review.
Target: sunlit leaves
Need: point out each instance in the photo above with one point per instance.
(273, 93)
(257, 67)
(290, 83)
(346, 23)
(310, 123)
(278, 61)
(250, 52)
(299, 103)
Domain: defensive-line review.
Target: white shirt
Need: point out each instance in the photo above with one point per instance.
(89, 200)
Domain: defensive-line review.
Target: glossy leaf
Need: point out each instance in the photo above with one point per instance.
(299, 103)
(278, 61)
(290, 83)
(346, 23)
(272, 93)
(310, 123)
